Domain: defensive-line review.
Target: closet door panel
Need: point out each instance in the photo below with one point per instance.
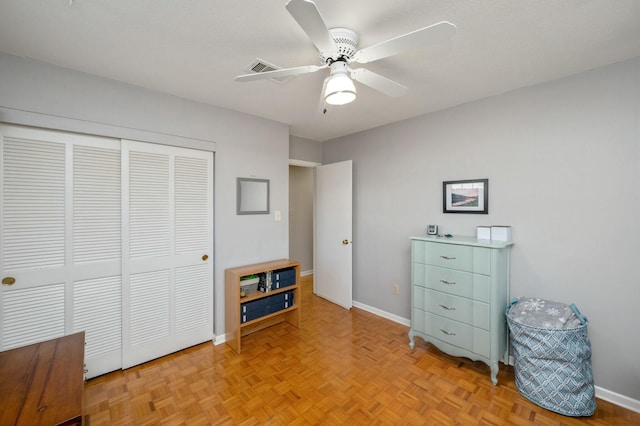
(192, 204)
(61, 240)
(150, 307)
(192, 298)
(97, 234)
(33, 204)
(167, 242)
(32, 315)
(97, 311)
(33, 238)
(149, 205)
(97, 245)
(193, 240)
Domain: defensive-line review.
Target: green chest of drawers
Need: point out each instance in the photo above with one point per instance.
(459, 293)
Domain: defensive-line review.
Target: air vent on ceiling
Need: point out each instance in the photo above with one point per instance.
(260, 65)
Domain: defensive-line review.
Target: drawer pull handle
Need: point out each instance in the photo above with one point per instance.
(448, 308)
(448, 282)
(448, 333)
(448, 257)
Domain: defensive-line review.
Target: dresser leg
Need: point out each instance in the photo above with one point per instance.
(412, 344)
(494, 373)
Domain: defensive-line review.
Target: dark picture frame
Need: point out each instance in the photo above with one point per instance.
(465, 196)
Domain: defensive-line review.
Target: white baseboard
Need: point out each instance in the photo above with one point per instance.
(305, 273)
(616, 398)
(218, 340)
(383, 314)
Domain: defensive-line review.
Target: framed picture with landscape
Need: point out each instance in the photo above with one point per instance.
(465, 196)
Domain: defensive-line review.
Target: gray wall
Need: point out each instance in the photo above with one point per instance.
(563, 164)
(35, 93)
(301, 187)
(305, 149)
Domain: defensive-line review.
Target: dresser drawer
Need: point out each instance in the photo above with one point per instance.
(418, 322)
(418, 298)
(449, 256)
(455, 333)
(449, 331)
(457, 308)
(448, 281)
(459, 283)
(482, 343)
(452, 256)
(449, 306)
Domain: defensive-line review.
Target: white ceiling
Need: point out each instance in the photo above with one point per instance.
(194, 49)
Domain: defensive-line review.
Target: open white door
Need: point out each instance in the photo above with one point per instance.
(333, 233)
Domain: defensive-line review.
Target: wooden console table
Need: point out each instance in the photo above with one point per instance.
(43, 383)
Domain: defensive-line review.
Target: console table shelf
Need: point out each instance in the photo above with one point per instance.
(234, 327)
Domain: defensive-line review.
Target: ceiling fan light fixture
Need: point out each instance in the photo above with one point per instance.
(339, 89)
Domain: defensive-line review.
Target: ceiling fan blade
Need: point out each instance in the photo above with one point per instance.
(284, 72)
(378, 82)
(436, 33)
(307, 15)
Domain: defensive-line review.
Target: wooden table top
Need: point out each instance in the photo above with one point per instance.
(43, 383)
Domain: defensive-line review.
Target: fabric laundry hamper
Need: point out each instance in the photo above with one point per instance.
(552, 355)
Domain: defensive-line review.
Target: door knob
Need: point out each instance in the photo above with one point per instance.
(8, 281)
(345, 242)
(205, 257)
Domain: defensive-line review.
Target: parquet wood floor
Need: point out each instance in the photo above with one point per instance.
(339, 367)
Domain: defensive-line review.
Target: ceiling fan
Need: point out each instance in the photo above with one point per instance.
(338, 50)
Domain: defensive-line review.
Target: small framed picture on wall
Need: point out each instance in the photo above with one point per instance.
(465, 196)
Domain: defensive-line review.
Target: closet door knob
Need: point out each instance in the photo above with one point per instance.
(205, 257)
(8, 281)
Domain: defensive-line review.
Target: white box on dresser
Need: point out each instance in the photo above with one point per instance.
(459, 294)
(500, 233)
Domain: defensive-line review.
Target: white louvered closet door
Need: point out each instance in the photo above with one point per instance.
(167, 265)
(97, 248)
(61, 241)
